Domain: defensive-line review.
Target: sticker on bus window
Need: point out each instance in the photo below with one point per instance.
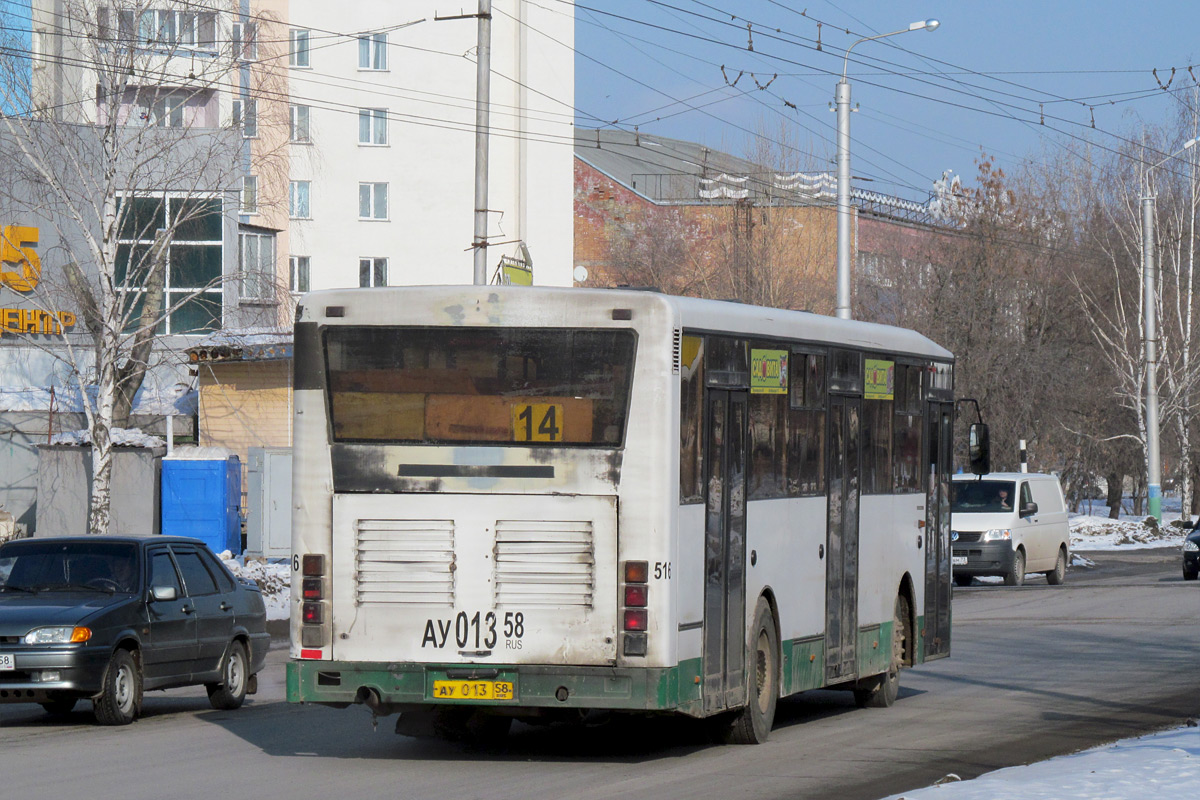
(768, 371)
(880, 379)
(537, 422)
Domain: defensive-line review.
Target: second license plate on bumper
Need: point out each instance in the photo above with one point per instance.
(958, 561)
(473, 690)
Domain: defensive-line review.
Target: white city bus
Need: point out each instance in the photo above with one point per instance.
(531, 503)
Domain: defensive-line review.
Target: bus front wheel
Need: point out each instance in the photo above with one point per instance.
(752, 725)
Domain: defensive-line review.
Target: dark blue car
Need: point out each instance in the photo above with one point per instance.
(1191, 554)
(105, 618)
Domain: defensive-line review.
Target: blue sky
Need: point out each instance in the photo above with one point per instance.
(999, 61)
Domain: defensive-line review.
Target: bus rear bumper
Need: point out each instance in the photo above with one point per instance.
(395, 685)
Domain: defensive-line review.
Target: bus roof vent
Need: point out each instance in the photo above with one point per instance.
(676, 351)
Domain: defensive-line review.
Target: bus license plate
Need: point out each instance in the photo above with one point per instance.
(958, 561)
(7, 662)
(473, 690)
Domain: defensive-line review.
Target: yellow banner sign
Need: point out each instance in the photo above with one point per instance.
(768, 371)
(26, 321)
(880, 379)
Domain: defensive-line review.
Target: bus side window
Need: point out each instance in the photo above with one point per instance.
(768, 446)
(691, 407)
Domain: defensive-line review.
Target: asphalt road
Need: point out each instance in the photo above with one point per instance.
(1035, 672)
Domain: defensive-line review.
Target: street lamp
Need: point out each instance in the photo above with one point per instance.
(842, 98)
(1150, 283)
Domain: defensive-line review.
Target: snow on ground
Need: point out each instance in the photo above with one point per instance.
(1093, 530)
(274, 579)
(1164, 766)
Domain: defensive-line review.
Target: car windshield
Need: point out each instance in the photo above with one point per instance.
(33, 566)
(982, 496)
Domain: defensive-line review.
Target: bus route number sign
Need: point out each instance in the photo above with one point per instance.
(537, 422)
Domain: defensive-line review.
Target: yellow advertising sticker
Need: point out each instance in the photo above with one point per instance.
(768, 371)
(880, 379)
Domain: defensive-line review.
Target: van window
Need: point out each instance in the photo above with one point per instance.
(1026, 496)
(983, 496)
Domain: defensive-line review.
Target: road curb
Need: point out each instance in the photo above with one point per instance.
(280, 632)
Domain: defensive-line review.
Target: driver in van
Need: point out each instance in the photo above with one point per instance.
(1004, 501)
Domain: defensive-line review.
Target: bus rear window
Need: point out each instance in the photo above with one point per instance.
(523, 386)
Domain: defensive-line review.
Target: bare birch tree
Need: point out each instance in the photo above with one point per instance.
(120, 143)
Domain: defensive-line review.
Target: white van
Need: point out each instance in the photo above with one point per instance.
(1008, 524)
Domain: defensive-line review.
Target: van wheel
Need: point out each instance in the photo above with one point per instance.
(1016, 573)
(887, 686)
(753, 723)
(1056, 576)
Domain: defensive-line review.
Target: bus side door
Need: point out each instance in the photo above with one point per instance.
(937, 531)
(841, 546)
(725, 552)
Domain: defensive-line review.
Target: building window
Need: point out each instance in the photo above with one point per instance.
(245, 41)
(298, 206)
(256, 265)
(165, 110)
(299, 126)
(163, 28)
(298, 48)
(245, 114)
(372, 201)
(372, 126)
(372, 272)
(249, 194)
(372, 51)
(298, 267)
(193, 270)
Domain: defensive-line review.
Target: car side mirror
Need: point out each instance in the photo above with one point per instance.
(1029, 510)
(979, 451)
(163, 593)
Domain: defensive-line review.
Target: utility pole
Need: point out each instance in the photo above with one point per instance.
(483, 91)
(483, 87)
(1150, 324)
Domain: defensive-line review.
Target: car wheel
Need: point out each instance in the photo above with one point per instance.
(1190, 575)
(59, 705)
(963, 580)
(231, 691)
(887, 687)
(1056, 576)
(752, 725)
(120, 696)
(1016, 573)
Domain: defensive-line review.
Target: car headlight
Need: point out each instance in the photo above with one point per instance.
(58, 634)
(996, 534)
(1189, 546)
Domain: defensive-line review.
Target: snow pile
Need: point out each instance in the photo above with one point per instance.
(273, 579)
(1163, 765)
(121, 437)
(245, 337)
(198, 453)
(1102, 533)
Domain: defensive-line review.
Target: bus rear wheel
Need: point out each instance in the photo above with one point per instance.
(752, 725)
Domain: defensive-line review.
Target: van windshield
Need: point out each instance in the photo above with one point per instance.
(982, 496)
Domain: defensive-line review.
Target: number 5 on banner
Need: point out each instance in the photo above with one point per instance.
(13, 241)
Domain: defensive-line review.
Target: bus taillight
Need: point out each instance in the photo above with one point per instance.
(313, 631)
(635, 620)
(635, 617)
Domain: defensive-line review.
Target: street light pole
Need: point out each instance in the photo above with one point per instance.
(1150, 323)
(842, 99)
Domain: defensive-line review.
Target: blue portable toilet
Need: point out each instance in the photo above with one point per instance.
(202, 495)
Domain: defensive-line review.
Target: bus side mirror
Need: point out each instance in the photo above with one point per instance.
(979, 449)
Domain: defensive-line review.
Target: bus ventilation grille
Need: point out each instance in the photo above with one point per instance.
(544, 563)
(404, 561)
(676, 351)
